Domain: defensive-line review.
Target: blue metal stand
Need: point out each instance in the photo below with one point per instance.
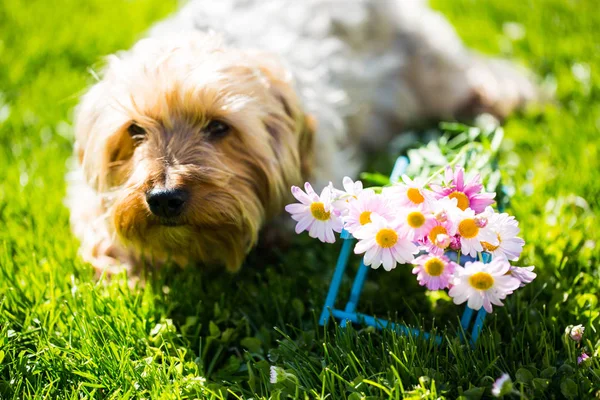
(349, 313)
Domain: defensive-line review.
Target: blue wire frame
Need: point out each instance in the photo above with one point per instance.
(349, 312)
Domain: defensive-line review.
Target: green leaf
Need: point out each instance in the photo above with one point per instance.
(214, 329)
(474, 393)
(568, 388)
(356, 396)
(540, 383)
(253, 344)
(524, 375)
(375, 178)
(548, 372)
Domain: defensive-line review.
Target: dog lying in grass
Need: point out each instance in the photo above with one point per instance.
(188, 144)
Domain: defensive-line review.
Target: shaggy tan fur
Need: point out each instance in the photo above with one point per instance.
(236, 183)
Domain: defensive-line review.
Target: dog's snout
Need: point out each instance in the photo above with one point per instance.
(166, 203)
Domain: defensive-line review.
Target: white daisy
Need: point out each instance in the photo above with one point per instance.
(360, 210)
(483, 284)
(506, 228)
(472, 234)
(314, 213)
(410, 194)
(382, 243)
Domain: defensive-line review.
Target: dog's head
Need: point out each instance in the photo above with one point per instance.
(193, 145)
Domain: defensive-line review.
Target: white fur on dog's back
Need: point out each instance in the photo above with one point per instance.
(363, 68)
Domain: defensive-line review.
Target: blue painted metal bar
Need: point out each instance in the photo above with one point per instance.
(399, 168)
(465, 321)
(382, 324)
(336, 280)
(359, 282)
(357, 287)
(478, 326)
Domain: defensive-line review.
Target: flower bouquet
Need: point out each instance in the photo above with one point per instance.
(444, 227)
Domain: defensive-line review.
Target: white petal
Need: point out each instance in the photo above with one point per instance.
(475, 301)
(373, 256)
(364, 245)
(388, 261)
(296, 208)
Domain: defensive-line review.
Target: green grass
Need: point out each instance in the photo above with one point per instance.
(203, 334)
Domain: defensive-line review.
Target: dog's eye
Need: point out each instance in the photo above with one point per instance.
(136, 132)
(217, 129)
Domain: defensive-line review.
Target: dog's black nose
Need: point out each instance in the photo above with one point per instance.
(166, 203)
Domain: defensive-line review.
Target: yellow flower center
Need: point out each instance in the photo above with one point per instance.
(437, 230)
(415, 195)
(481, 281)
(365, 217)
(434, 266)
(415, 219)
(491, 247)
(462, 201)
(317, 210)
(386, 238)
(468, 228)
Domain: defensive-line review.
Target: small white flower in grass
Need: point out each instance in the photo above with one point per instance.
(416, 223)
(472, 234)
(576, 332)
(435, 272)
(502, 386)
(523, 274)
(382, 243)
(506, 228)
(314, 213)
(482, 285)
(275, 374)
(410, 194)
(360, 210)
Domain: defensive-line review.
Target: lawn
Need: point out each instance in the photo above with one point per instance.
(195, 334)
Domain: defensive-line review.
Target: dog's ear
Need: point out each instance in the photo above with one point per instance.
(291, 127)
(102, 142)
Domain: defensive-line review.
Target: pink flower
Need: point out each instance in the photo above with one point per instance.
(314, 213)
(502, 386)
(583, 357)
(360, 210)
(524, 274)
(435, 272)
(455, 243)
(416, 223)
(575, 332)
(439, 237)
(409, 194)
(442, 231)
(467, 195)
(342, 198)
